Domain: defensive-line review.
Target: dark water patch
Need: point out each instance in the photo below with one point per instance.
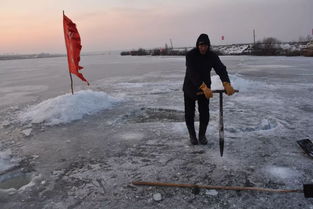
(146, 115)
(14, 179)
(17, 176)
(306, 108)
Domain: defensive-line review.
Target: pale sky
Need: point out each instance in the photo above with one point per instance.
(34, 26)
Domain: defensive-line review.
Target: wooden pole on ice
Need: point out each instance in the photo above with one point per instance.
(236, 188)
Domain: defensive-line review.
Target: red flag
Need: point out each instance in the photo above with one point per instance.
(73, 47)
(222, 38)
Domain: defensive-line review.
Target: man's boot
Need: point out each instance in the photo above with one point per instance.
(192, 135)
(202, 129)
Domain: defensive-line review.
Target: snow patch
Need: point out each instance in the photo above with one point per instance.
(132, 85)
(281, 172)
(132, 136)
(237, 82)
(216, 82)
(179, 127)
(27, 132)
(273, 67)
(68, 107)
(211, 192)
(233, 49)
(157, 197)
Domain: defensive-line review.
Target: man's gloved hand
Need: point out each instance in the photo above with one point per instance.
(228, 88)
(207, 92)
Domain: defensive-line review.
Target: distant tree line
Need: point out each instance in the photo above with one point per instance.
(155, 52)
(267, 47)
(273, 47)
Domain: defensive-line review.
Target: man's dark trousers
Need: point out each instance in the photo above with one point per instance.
(204, 114)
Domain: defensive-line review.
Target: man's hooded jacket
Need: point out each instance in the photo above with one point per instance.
(198, 68)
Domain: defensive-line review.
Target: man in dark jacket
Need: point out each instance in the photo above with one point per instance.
(197, 85)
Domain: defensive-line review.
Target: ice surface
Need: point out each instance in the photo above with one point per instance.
(90, 163)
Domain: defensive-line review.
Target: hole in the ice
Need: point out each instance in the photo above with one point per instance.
(306, 108)
(145, 115)
(264, 125)
(14, 179)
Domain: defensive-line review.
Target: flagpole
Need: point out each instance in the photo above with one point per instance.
(72, 86)
(71, 83)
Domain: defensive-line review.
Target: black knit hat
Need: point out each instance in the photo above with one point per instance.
(203, 39)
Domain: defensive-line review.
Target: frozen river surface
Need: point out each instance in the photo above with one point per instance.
(83, 151)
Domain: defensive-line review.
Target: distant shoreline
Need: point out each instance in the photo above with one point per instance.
(44, 55)
(257, 49)
(29, 56)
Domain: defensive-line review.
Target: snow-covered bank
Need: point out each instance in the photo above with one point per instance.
(68, 107)
(281, 49)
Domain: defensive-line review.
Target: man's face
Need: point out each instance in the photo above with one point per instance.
(203, 48)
